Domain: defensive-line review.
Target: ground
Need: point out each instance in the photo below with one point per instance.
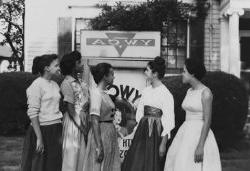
(10, 153)
(237, 159)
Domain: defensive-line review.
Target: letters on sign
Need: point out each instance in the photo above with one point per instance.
(124, 120)
(120, 41)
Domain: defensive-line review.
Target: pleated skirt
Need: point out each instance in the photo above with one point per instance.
(143, 154)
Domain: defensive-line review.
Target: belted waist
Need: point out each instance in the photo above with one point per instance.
(108, 116)
(105, 121)
(153, 115)
(194, 116)
(150, 111)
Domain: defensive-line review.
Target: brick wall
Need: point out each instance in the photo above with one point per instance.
(212, 38)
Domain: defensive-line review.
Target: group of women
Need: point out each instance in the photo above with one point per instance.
(84, 137)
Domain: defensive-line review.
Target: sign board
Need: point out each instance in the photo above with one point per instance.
(120, 44)
(129, 53)
(128, 85)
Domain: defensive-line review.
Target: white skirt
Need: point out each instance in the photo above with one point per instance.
(73, 146)
(180, 156)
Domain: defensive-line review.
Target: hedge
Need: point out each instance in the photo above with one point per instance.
(13, 101)
(230, 105)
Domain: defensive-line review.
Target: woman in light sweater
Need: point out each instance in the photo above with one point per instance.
(42, 147)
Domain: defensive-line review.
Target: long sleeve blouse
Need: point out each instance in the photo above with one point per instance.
(159, 97)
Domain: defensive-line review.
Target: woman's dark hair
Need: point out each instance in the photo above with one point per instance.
(99, 71)
(36, 65)
(46, 60)
(196, 67)
(158, 65)
(68, 62)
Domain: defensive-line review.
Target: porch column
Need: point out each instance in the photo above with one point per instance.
(234, 40)
(224, 43)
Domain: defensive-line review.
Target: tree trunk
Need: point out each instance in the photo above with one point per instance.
(20, 62)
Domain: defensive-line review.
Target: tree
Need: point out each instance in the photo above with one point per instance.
(12, 28)
(148, 16)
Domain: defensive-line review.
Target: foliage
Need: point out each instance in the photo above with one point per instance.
(13, 100)
(11, 28)
(230, 105)
(146, 16)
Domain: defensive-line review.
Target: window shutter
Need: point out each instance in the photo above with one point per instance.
(64, 35)
(197, 39)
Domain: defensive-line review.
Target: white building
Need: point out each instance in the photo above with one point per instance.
(54, 27)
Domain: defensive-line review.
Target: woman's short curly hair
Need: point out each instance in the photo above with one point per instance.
(68, 62)
(100, 70)
(44, 61)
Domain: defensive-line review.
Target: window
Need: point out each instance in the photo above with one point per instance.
(174, 44)
(80, 24)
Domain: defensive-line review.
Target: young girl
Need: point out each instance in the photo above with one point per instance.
(155, 115)
(42, 147)
(102, 152)
(194, 147)
(75, 98)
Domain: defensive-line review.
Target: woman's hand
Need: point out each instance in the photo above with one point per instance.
(162, 149)
(198, 155)
(39, 145)
(99, 154)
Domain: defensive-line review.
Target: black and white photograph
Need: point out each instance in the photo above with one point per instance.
(124, 85)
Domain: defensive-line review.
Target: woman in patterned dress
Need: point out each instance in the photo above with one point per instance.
(75, 97)
(102, 152)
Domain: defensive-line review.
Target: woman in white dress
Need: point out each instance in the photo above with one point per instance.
(194, 147)
(75, 97)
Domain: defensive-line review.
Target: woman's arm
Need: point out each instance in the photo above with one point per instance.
(140, 110)
(95, 109)
(167, 120)
(207, 99)
(97, 137)
(34, 97)
(162, 148)
(36, 127)
(71, 111)
(69, 101)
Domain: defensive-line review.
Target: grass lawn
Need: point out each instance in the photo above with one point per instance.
(10, 153)
(11, 149)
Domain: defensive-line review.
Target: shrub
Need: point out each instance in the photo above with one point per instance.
(13, 101)
(230, 105)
